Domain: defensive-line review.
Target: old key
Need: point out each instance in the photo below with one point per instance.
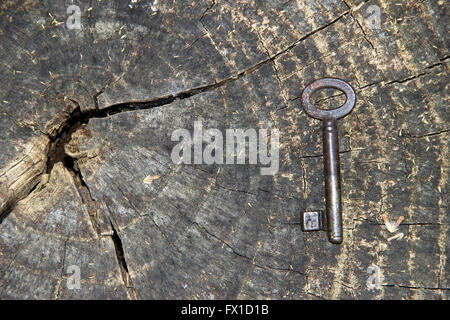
(330, 155)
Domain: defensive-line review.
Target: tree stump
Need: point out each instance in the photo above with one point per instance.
(86, 175)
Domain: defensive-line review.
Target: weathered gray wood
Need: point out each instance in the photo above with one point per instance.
(86, 115)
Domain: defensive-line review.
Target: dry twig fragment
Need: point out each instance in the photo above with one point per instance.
(397, 236)
(151, 178)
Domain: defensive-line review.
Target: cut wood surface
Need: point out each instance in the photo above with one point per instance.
(87, 179)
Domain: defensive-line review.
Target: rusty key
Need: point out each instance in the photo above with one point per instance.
(330, 151)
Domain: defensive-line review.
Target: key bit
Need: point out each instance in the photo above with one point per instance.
(313, 221)
(330, 152)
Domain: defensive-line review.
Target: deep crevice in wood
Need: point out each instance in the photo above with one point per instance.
(123, 264)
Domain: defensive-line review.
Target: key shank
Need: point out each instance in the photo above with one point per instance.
(332, 181)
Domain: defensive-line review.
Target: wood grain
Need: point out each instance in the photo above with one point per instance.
(86, 176)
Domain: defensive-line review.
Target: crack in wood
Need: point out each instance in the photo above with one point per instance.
(132, 293)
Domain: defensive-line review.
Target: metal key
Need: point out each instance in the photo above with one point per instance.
(331, 149)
